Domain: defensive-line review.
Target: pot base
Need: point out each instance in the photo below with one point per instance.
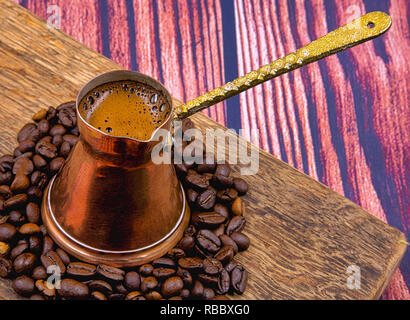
(113, 258)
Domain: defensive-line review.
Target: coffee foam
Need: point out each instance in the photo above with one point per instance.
(125, 109)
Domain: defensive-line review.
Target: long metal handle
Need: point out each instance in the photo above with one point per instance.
(367, 27)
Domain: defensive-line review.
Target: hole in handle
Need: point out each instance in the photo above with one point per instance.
(370, 25)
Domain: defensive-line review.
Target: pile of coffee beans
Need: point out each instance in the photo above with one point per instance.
(201, 266)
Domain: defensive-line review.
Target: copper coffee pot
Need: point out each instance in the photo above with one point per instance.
(111, 204)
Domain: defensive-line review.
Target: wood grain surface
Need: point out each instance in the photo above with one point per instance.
(304, 235)
(344, 121)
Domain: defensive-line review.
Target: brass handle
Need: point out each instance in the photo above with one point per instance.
(367, 27)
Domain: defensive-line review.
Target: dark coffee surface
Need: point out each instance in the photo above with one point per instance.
(201, 266)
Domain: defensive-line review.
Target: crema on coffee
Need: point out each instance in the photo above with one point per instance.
(125, 109)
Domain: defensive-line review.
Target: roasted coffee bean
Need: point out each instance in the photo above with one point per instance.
(51, 113)
(6, 267)
(75, 131)
(58, 130)
(4, 249)
(212, 266)
(120, 288)
(164, 262)
(34, 193)
(16, 201)
(238, 207)
(5, 191)
(240, 185)
(39, 273)
(34, 244)
(71, 139)
(39, 179)
(220, 230)
(40, 114)
(37, 297)
(239, 279)
(162, 272)
(190, 263)
(26, 146)
(186, 243)
(228, 241)
(209, 293)
(6, 177)
(153, 295)
(190, 231)
(48, 245)
(146, 269)
(225, 254)
(73, 289)
(65, 149)
(24, 263)
(46, 149)
(181, 170)
(222, 210)
(148, 284)
(241, 240)
(172, 286)
(23, 285)
(208, 164)
(191, 195)
(28, 132)
(57, 140)
(208, 279)
(23, 166)
(176, 253)
(63, 256)
(43, 126)
(81, 269)
(224, 282)
(208, 241)
(67, 117)
(3, 219)
(52, 259)
(132, 280)
(6, 163)
(135, 295)
(110, 273)
(45, 288)
(236, 224)
(223, 170)
(206, 199)
(185, 293)
(207, 219)
(221, 182)
(56, 164)
(7, 231)
(197, 289)
(227, 195)
(197, 181)
(186, 276)
(20, 183)
(100, 285)
(18, 250)
(96, 295)
(29, 229)
(16, 217)
(33, 212)
(200, 252)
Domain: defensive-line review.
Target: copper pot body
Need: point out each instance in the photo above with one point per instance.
(110, 203)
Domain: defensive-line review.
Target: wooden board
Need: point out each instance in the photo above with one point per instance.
(304, 235)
